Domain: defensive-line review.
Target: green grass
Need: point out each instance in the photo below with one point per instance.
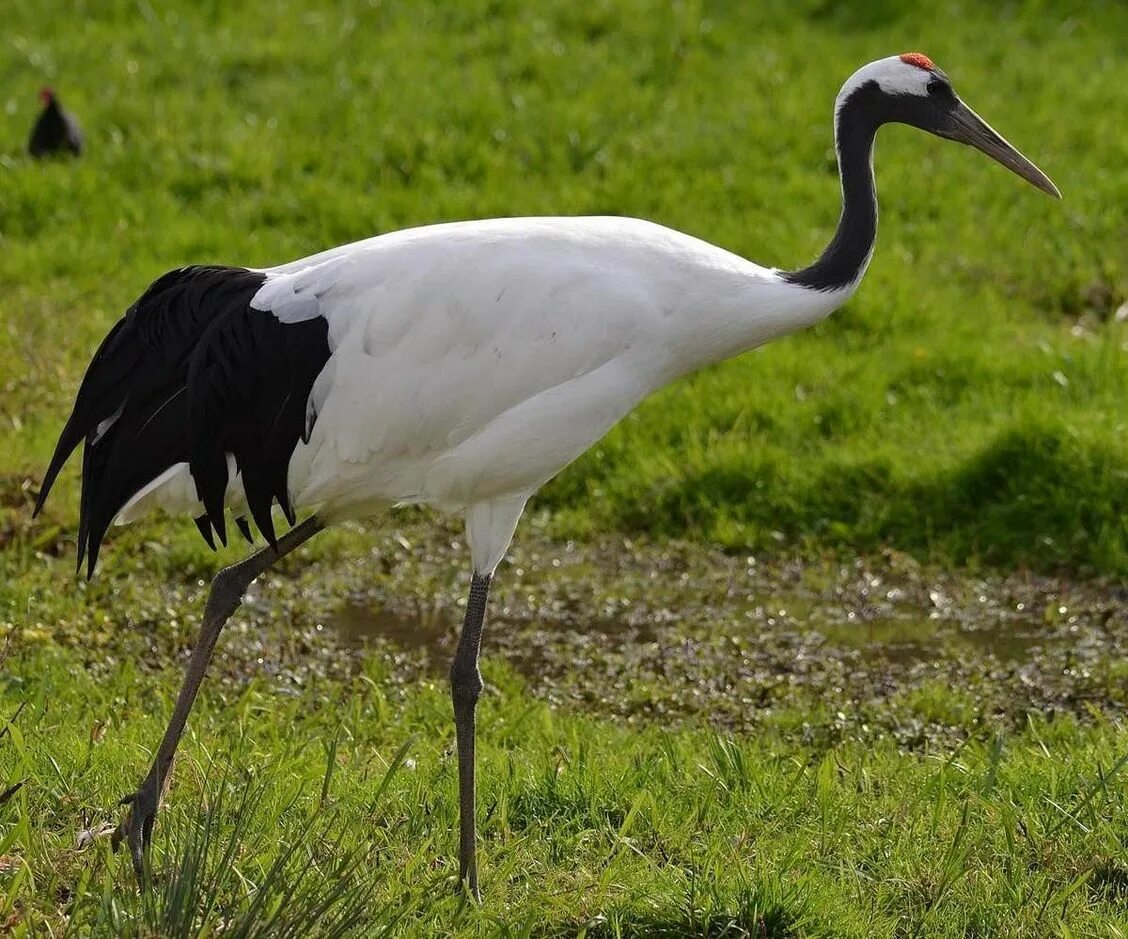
(340, 797)
(966, 409)
(968, 404)
(316, 789)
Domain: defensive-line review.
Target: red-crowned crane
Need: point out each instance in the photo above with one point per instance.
(459, 366)
(56, 130)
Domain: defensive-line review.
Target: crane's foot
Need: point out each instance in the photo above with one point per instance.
(468, 889)
(137, 827)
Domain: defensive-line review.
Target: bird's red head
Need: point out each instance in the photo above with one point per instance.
(46, 94)
(920, 60)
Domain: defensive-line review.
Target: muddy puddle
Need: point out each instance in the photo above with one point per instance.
(903, 639)
(667, 634)
(529, 647)
(672, 633)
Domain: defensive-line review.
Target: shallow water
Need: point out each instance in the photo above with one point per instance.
(882, 647)
(904, 638)
(435, 632)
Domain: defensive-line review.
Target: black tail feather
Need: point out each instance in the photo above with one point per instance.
(205, 529)
(142, 444)
(244, 529)
(249, 383)
(93, 405)
(190, 374)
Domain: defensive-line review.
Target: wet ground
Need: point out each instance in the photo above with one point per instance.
(818, 648)
(900, 637)
(678, 632)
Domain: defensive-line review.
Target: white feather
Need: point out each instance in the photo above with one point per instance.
(893, 74)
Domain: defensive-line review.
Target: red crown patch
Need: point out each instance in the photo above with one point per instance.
(919, 59)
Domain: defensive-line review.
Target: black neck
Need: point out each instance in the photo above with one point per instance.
(842, 262)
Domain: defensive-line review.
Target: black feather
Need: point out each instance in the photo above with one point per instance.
(190, 374)
(147, 350)
(244, 529)
(248, 384)
(145, 441)
(205, 528)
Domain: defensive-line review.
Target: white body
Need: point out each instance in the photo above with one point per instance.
(472, 361)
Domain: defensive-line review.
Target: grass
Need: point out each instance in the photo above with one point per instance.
(966, 406)
(719, 776)
(337, 799)
(965, 412)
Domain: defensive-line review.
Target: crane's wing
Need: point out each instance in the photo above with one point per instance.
(190, 373)
(437, 333)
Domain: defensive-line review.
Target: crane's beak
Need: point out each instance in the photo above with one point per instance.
(964, 125)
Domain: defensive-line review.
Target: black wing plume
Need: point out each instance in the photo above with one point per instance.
(191, 373)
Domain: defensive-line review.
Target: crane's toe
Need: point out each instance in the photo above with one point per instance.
(136, 827)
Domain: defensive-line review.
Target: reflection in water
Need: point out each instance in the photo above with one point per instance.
(356, 625)
(909, 639)
(901, 640)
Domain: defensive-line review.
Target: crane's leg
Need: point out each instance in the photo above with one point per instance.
(465, 687)
(226, 594)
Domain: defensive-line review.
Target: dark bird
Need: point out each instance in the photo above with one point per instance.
(459, 366)
(55, 130)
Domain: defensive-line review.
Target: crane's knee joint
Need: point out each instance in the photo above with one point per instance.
(465, 684)
(228, 587)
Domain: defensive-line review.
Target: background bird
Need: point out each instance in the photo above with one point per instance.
(55, 130)
(459, 366)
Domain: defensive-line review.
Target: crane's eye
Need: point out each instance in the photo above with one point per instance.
(940, 90)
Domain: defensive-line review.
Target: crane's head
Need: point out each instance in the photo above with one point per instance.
(910, 89)
(46, 95)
